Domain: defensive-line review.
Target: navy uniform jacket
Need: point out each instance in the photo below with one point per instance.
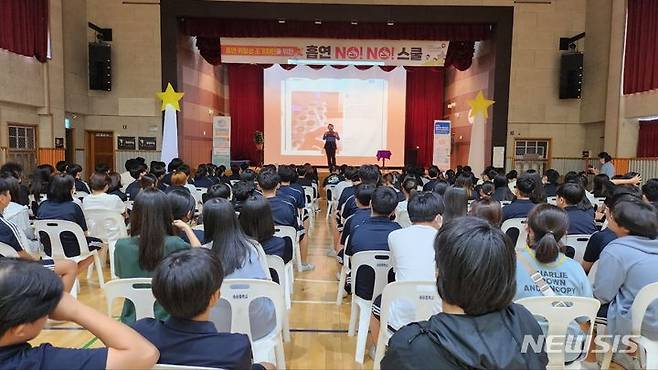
(580, 221)
(284, 213)
(23, 356)
(519, 208)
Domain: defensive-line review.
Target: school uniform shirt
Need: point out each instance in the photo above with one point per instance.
(103, 201)
(24, 356)
(340, 187)
(126, 266)
(303, 181)
(276, 246)
(197, 343)
(355, 220)
(11, 235)
(81, 186)
(565, 276)
(429, 186)
(350, 206)
(200, 234)
(167, 178)
(412, 258)
(133, 189)
(119, 194)
(345, 194)
(204, 182)
(23, 195)
(284, 213)
(371, 235)
(519, 208)
(596, 243)
(580, 221)
(293, 193)
(67, 211)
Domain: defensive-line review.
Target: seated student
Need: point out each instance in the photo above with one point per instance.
(99, 199)
(126, 178)
(306, 176)
(284, 212)
(241, 258)
(19, 215)
(455, 203)
(487, 209)
(201, 178)
(626, 265)
(350, 174)
(220, 190)
(75, 171)
(522, 205)
(187, 284)
(16, 171)
(550, 179)
(512, 177)
(486, 190)
(136, 172)
(171, 168)
(30, 295)
(650, 192)
(241, 191)
(502, 191)
(447, 339)
(433, 172)
(581, 221)
(408, 187)
(256, 221)
(235, 173)
(372, 235)
(363, 198)
(440, 187)
(102, 168)
(115, 186)
(547, 224)
(151, 238)
(39, 186)
(220, 174)
(60, 206)
(157, 169)
(333, 179)
(412, 255)
(183, 206)
(368, 174)
(295, 196)
(465, 181)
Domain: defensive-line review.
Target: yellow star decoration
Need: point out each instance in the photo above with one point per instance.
(170, 97)
(480, 105)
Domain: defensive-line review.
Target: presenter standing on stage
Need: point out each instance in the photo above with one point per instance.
(330, 137)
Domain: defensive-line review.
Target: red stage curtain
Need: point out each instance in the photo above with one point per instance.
(246, 105)
(647, 139)
(641, 60)
(24, 27)
(424, 105)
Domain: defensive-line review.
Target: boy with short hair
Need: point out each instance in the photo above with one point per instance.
(650, 192)
(522, 205)
(30, 295)
(187, 284)
(581, 221)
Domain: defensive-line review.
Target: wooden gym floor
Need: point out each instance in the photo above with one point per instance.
(318, 325)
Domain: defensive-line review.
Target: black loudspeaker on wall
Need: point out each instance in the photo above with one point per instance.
(100, 66)
(571, 76)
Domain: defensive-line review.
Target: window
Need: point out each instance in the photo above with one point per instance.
(23, 147)
(531, 154)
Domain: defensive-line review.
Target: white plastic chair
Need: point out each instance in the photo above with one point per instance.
(344, 270)
(137, 290)
(579, 243)
(422, 294)
(402, 218)
(276, 263)
(80, 194)
(109, 227)
(648, 348)
(504, 203)
(519, 224)
(8, 251)
(239, 293)
(559, 317)
(181, 367)
(551, 200)
(291, 232)
(361, 308)
(329, 191)
(53, 228)
(233, 182)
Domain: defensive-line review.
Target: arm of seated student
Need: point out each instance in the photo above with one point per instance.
(194, 241)
(126, 348)
(586, 265)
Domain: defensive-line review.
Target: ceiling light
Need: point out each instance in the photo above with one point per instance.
(390, 23)
(282, 21)
(354, 22)
(317, 21)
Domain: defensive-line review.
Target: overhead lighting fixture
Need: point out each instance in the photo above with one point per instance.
(354, 22)
(390, 23)
(318, 22)
(282, 21)
(336, 62)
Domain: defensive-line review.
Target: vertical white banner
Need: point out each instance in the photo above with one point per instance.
(169, 135)
(221, 141)
(441, 157)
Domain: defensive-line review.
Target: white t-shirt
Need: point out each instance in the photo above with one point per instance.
(412, 251)
(104, 201)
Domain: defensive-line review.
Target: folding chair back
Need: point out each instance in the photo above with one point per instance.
(579, 243)
(137, 290)
(8, 251)
(519, 224)
(559, 312)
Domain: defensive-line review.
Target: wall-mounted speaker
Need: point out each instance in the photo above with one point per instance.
(100, 66)
(571, 76)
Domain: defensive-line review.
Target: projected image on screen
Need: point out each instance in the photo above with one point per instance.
(365, 107)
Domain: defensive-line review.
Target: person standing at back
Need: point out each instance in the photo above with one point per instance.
(606, 165)
(330, 138)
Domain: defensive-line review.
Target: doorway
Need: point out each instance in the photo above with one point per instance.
(100, 146)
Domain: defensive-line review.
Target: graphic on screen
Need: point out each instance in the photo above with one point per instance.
(366, 108)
